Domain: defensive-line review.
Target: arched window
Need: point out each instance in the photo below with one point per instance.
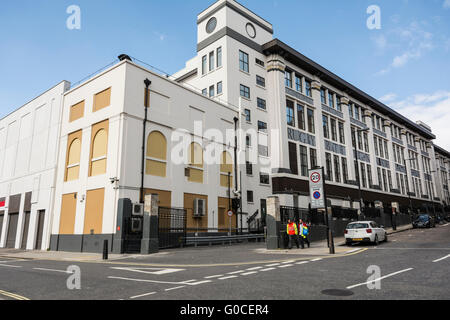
(99, 149)
(73, 160)
(226, 167)
(156, 155)
(195, 163)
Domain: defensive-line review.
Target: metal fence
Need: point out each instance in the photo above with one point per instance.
(370, 212)
(172, 227)
(345, 213)
(295, 214)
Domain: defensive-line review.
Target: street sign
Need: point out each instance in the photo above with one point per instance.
(230, 213)
(316, 189)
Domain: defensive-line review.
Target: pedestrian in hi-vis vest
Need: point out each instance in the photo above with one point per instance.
(304, 230)
(292, 231)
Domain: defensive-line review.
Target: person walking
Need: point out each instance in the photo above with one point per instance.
(292, 232)
(304, 233)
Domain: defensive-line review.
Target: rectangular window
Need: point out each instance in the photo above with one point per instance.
(304, 161)
(205, 92)
(350, 110)
(290, 113)
(375, 141)
(363, 175)
(260, 81)
(76, 111)
(293, 158)
(357, 114)
(248, 141)
(308, 88)
(263, 151)
(344, 170)
(326, 130)
(211, 91)
(338, 104)
(330, 99)
(250, 196)
(341, 133)
(298, 83)
(337, 169)
(248, 115)
(366, 142)
(102, 100)
(245, 91)
(354, 137)
(261, 103)
(262, 126)
(329, 167)
(211, 61)
(333, 129)
(369, 175)
(219, 57)
(259, 62)
(360, 141)
(219, 87)
(386, 151)
(381, 148)
(311, 128)
(288, 79)
(243, 61)
(264, 178)
(301, 117)
(204, 62)
(313, 158)
(323, 97)
(249, 168)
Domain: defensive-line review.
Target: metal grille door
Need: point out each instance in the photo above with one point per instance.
(172, 228)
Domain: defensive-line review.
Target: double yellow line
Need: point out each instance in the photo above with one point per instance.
(12, 295)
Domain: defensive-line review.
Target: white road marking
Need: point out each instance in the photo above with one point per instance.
(216, 276)
(379, 279)
(249, 273)
(143, 280)
(155, 271)
(7, 265)
(288, 262)
(143, 295)
(318, 259)
(351, 251)
(286, 266)
(255, 268)
(52, 270)
(236, 272)
(442, 258)
(176, 288)
(196, 283)
(273, 265)
(302, 262)
(268, 269)
(226, 278)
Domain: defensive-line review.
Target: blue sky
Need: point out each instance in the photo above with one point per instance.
(405, 64)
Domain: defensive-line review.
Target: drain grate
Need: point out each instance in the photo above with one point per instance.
(338, 292)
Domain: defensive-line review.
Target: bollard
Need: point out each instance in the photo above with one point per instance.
(105, 250)
(332, 251)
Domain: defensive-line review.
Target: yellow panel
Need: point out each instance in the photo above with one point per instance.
(156, 168)
(73, 173)
(226, 164)
(76, 111)
(165, 197)
(196, 155)
(192, 223)
(100, 144)
(157, 146)
(224, 181)
(98, 167)
(74, 152)
(67, 215)
(93, 218)
(195, 175)
(102, 100)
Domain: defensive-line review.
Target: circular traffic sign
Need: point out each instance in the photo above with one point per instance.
(230, 213)
(315, 177)
(317, 195)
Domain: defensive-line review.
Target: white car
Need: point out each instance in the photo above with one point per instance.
(365, 231)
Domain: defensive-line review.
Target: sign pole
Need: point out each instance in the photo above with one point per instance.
(330, 231)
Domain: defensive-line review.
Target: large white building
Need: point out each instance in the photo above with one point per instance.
(69, 157)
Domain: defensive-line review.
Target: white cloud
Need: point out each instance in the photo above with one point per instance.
(433, 109)
(388, 97)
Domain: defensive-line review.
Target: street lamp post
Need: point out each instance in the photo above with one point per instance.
(357, 170)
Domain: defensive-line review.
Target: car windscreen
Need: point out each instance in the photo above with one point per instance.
(357, 226)
(423, 218)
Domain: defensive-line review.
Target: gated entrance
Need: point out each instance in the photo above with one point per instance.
(172, 227)
(133, 235)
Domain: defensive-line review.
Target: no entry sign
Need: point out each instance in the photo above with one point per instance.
(316, 189)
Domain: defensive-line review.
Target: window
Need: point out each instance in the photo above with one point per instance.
(288, 78)
(245, 91)
(211, 91)
(341, 133)
(248, 116)
(329, 167)
(260, 81)
(313, 158)
(357, 114)
(263, 151)
(219, 57)
(73, 156)
(219, 88)
(99, 149)
(250, 196)
(259, 62)
(243, 61)
(298, 83)
(323, 97)
(337, 169)
(204, 62)
(248, 140)
(360, 141)
(375, 140)
(363, 175)
(333, 129)
(226, 170)
(205, 92)
(338, 103)
(290, 113)
(262, 126)
(211, 61)
(344, 170)
(293, 164)
(264, 178)
(301, 117)
(354, 137)
(369, 175)
(156, 156)
(366, 142)
(326, 130)
(261, 103)
(304, 161)
(311, 128)
(102, 100)
(308, 88)
(386, 151)
(249, 168)
(330, 99)
(76, 111)
(350, 110)
(195, 163)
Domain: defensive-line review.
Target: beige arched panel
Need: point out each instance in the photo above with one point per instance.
(100, 144)
(226, 166)
(157, 151)
(73, 160)
(196, 155)
(99, 149)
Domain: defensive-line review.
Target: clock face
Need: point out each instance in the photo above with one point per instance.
(251, 31)
(211, 25)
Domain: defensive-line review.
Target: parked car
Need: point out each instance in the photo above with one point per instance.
(365, 232)
(424, 221)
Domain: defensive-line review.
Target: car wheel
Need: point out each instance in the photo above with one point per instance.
(376, 242)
